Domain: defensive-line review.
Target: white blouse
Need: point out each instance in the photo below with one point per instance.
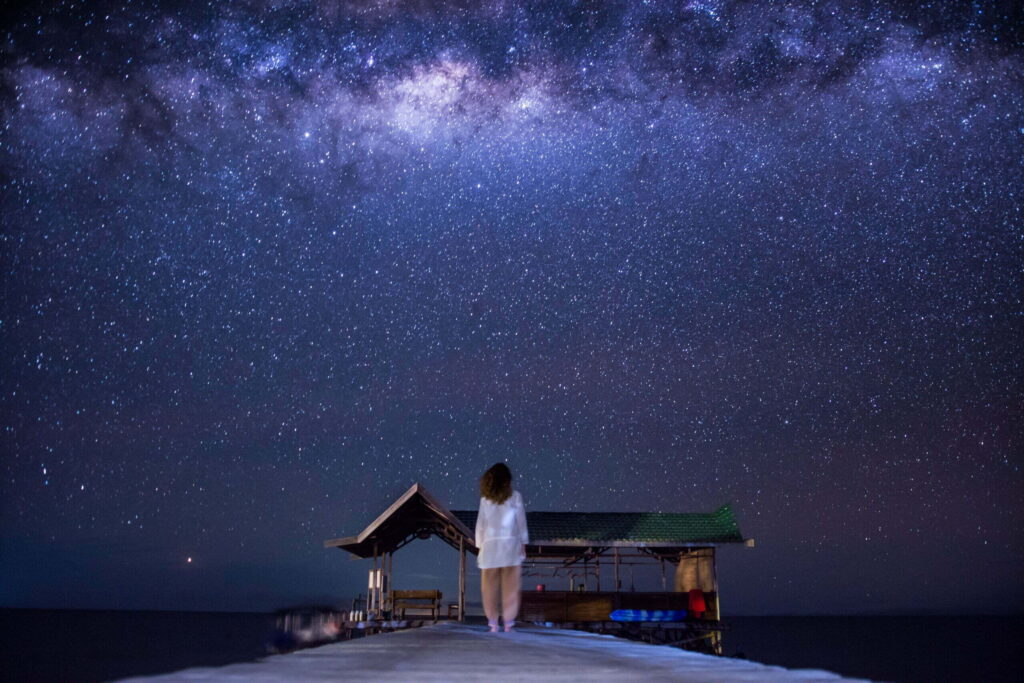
(501, 532)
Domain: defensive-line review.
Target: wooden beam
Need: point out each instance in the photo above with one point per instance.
(462, 580)
(338, 542)
(621, 543)
(716, 637)
(714, 565)
(391, 567)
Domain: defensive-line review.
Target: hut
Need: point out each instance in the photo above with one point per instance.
(594, 553)
(415, 514)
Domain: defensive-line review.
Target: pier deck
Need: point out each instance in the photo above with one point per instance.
(450, 651)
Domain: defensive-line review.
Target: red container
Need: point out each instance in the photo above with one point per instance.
(697, 604)
(540, 587)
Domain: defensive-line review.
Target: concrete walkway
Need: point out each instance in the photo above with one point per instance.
(450, 651)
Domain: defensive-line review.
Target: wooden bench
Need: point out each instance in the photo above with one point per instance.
(416, 600)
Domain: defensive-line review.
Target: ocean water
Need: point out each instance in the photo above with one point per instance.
(99, 645)
(80, 645)
(903, 648)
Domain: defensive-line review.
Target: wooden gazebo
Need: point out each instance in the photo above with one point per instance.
(570, 546)
(416, 514)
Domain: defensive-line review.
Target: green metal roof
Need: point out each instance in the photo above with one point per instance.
(683, 528)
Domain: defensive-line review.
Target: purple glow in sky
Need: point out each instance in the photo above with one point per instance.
(265, 264)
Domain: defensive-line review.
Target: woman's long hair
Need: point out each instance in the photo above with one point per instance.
(496, 484)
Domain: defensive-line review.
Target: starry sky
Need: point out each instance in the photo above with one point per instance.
(267, 263)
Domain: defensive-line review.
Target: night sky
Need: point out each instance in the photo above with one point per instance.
(266, 264)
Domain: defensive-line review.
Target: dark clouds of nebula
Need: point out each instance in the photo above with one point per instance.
(658, 255)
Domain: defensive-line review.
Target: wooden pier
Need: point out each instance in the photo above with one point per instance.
(453, 651)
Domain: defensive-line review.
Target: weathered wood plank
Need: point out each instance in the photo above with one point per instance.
(451, 651)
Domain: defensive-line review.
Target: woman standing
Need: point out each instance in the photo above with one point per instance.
(501, 537)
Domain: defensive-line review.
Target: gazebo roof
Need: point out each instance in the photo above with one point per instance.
(417, 513)
(651, 529)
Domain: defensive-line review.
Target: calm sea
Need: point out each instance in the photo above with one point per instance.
(886, 648)
(72, 645)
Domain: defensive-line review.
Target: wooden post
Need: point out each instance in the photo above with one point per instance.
(391, 567)
(618, 584)
(462, 579)
(374, 587)
(597, 572)
(716, 639)
(714, 565)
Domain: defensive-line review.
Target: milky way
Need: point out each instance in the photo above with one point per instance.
(265, 264)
